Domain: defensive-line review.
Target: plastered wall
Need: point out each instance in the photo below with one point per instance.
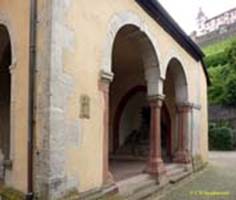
(81, 30)
(14, 15)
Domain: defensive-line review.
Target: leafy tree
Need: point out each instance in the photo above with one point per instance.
(223, 77)
(216, 90)
(229, 97)
(232, 55)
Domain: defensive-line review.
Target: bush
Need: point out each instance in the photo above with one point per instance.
(234, 139)
(230, 90)
(220, 138)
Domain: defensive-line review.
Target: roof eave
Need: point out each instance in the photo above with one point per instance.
(162, 17)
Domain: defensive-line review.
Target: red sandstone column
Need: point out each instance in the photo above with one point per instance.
(182, 155)
(104, 86)
(155, 164)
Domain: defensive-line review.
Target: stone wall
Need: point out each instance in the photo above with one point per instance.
(219, 113)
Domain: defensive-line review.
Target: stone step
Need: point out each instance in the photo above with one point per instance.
(179, 177)
(131, 186)
(175, 171)
(174, 166)
(139, 187)
(145, 193)
(145, 185)
(133, 181)
(100, 194)
(128, 157)
(91, 195)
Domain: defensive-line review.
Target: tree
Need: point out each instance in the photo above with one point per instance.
(223, 78)
(231, 52)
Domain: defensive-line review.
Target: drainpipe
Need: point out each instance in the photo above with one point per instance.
(32, 66)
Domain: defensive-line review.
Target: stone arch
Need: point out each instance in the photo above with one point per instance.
(178, 97)
(5, 99)
(177, 66)
(5, 21)
(142, 60)
(123, 27)
(116, 23)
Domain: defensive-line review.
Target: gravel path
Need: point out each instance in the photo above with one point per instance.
(217, 182)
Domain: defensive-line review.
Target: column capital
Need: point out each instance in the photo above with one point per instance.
(157, 97)
(105, 80)
(184, 107)
(156, 100)
(106, 76)
(12, 68)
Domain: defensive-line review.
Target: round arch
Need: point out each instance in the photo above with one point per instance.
(145, 60)
(5, 22)
(5, 97)
(175, 65)
(115, 25)
(5, 39)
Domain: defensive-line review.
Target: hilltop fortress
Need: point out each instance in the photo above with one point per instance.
(214, 29)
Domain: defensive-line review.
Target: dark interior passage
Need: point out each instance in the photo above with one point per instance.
(5, 94)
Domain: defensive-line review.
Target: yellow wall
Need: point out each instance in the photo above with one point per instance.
(89, 21)
(204, 118)
(14, 15)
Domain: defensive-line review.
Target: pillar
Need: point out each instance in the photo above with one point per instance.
(104, 85)
(183, 154)
(155, 164)
(9, 139)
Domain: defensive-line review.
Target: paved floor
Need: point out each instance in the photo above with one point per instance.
(217, 182)
(125, 169)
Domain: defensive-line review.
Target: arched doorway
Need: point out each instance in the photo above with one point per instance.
(5, 99)
(176, 91)
(129, 117)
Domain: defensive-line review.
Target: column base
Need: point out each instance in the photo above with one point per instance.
(108, 180)
(156, 168)
(182, 157)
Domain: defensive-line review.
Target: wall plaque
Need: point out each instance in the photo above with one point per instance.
(84, 107)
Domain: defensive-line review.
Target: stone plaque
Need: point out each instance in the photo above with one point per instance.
(84, 107)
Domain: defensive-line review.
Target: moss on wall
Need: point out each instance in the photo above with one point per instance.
(7, 193)
(71, 195)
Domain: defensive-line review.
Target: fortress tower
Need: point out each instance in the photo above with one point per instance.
(201, 21)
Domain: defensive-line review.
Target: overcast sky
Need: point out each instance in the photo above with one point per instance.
(185, 11)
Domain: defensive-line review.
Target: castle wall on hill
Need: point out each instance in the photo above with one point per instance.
(218, 35)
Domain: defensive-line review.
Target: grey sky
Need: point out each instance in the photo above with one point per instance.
(185, 11)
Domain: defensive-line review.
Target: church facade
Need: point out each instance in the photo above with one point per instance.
(94, 93)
